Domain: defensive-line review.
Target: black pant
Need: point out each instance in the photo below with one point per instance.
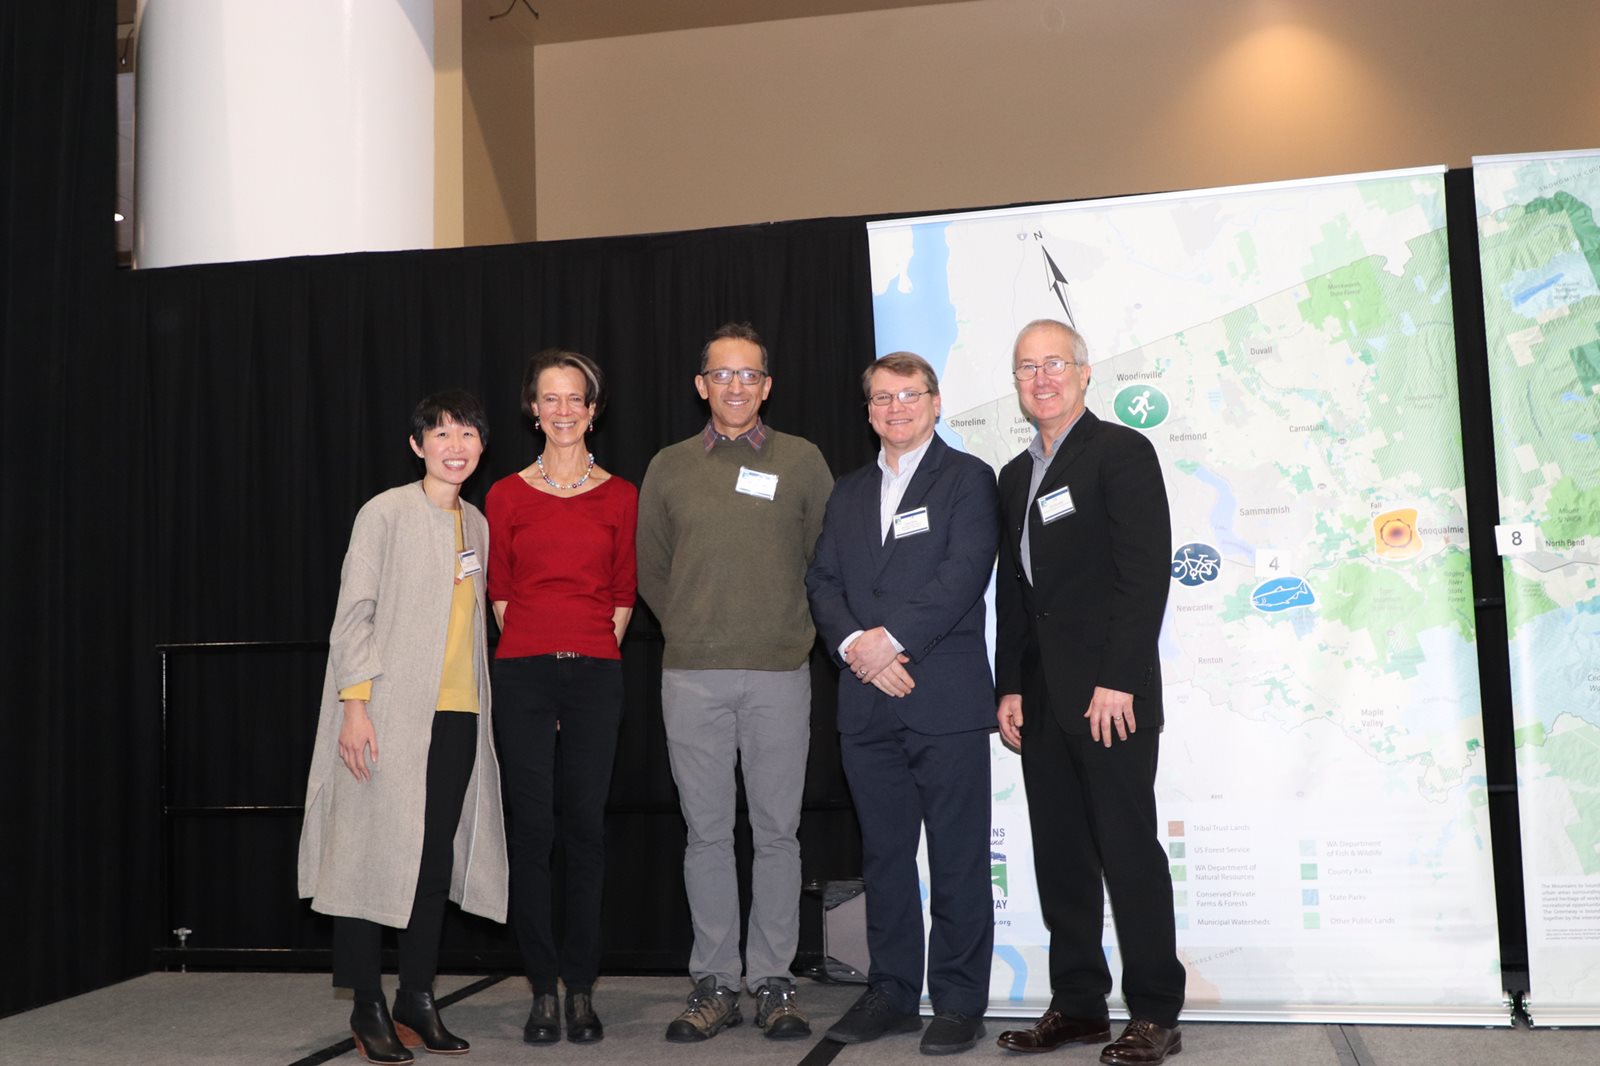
(903, 781)
(1092, 810)
(555, 725)
(358, 943)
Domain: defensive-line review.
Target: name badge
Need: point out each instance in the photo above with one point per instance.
(910, 523)
(757, 483)
(467, 564)
(1057, 504)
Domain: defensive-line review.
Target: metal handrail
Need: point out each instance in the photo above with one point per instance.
(165, 651)
(170, 812)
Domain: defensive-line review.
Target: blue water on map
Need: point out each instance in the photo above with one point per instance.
(1223, 512)
(1527, 294)
(923, 319)
(1012, 957)
(1559, 282)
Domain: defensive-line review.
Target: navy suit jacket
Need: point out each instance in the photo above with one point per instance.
(926, 589)
(1092, 614)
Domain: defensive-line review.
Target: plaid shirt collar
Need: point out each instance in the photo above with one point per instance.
(756, 435)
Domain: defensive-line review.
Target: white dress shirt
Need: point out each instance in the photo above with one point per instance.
(891, 490)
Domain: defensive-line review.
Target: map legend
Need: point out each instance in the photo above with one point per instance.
(1310, 917)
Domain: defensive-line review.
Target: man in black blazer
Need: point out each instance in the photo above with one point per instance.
(1085, 563)
(896, 589)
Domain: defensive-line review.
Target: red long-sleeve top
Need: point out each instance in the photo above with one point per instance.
(563, 564)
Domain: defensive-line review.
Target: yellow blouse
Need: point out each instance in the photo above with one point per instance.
(458, 685)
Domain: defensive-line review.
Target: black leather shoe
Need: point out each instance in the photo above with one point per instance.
(1142, 1043)
(416, 1019)
(544, 1021)
(376, 1039)
(1056, 1030)
(583, 1024)
(951, 1032)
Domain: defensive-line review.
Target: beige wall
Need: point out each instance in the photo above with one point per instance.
(448, 213)
(499, 191)
(1005, 101)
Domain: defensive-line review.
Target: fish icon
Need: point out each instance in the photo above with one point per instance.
(1282, 594)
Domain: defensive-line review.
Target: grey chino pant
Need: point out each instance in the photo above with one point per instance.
(760, 719)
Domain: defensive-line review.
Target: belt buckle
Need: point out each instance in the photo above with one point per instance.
(566, 655)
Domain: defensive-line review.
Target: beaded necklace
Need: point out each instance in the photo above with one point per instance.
(578, 484)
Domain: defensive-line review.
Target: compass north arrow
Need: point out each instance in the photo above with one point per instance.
(1058, 284)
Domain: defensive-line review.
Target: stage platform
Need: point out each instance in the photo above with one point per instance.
(275, 1019)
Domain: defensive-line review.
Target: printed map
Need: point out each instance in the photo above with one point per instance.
(1289, 350)
(1539, 244)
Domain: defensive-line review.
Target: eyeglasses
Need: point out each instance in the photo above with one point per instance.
(1052, 367)
(725, 376)
(909, 397)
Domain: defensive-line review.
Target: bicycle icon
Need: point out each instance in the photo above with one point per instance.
(1195, 564)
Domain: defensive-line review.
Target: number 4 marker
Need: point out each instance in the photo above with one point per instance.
(1270, 562)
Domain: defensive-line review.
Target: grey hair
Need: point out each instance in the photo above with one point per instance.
(1080, 347)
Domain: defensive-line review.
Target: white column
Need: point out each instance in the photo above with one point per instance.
(290, 127)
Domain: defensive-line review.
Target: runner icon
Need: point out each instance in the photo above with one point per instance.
(1142, 406)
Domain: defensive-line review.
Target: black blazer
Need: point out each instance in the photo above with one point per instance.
(1092, 616)
(926, 589)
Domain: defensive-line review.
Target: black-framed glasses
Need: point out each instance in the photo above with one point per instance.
(1052, 367)
(909, 397)
(724, 375)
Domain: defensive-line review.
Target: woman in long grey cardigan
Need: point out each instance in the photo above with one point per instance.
(385, 841)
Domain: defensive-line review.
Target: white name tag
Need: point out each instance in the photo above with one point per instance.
(468, 563)
(757, 483)
(910, 523)
(1057, 504)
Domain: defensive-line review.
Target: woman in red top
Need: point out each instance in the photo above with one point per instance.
(561, 581)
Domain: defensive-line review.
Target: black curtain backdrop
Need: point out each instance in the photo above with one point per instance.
(76, 730)
(281, 392)
(189, 448)
(186, 451)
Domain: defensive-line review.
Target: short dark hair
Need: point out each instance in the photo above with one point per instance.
(451, 405)
(733, 331)
(594, 382)
(904, 364)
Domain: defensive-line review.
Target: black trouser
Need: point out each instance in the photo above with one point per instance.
(1092, 810)
(555, 725)
(358, 943)
(903, 781)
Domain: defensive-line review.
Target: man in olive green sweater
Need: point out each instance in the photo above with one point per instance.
(728, 520)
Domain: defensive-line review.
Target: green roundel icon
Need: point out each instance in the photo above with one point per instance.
(1141, 406)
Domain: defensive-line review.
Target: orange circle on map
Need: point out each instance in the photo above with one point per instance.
(1396, 533)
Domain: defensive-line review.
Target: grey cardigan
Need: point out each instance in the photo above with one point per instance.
(361, 844)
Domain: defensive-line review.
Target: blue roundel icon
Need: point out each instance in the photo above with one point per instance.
(1195, 564)
(1281, 594)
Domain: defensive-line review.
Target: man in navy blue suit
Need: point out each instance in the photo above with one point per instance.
(896, 588)
(1085, 564)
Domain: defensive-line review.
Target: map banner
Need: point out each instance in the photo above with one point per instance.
(1289, 350)
(1539, 248)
